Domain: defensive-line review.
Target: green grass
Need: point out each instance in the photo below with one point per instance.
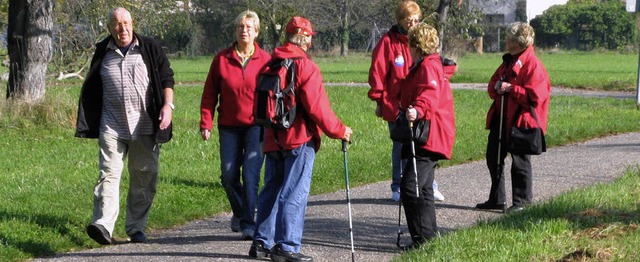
(599, 223)
(585, 70)
(51, 174)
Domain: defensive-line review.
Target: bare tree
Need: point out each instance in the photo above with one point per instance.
(346, 15)
(29, 46)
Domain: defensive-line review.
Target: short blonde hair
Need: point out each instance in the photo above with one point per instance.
(425, 38)
(249, 15)
(406, 9)
(521, 33)
(299, 39)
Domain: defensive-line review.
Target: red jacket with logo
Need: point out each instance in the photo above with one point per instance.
(530, 84)
(314, 115)
(427, 89)
(232, 86)
(390, 62)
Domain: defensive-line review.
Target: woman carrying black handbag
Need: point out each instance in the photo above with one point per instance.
(520, 89)
(426, 97)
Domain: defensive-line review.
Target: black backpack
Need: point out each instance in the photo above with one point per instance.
(274, 103)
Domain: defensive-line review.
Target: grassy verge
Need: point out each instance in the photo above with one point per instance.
(599, 223)
(48, 176)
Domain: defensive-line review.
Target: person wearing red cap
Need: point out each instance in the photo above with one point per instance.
(390, 62)
(231, 81)
(289, 158)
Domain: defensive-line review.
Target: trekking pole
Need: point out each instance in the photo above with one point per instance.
(400, 210)
(346, 179)
(413, 158)
(499, 169)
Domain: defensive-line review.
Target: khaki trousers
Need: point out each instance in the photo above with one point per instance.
(143, 154)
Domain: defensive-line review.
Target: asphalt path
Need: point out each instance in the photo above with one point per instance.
(375, 216)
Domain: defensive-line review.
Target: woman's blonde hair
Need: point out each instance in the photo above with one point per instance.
(521, 33)
(425, 38)
(406, 9)
(249, 15)
(299, 39)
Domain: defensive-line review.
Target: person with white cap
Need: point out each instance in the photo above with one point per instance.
(290, 153)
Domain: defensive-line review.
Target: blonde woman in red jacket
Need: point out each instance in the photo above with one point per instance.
(390, 62)
(230, 85)
(523, 82)
(426, 95)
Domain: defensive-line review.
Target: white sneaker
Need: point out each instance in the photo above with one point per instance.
(437, 196)
(395, 195)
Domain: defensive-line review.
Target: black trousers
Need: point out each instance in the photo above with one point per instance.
(521, 174)
(420, 210)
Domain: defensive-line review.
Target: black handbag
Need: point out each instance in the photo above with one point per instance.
(403, 134)
(527, 141)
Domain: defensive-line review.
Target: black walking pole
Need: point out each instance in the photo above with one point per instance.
(499, 171)
(400, 209)
(413, 158)
(346, 179)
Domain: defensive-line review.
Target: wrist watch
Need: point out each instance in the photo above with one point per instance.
(173, 107)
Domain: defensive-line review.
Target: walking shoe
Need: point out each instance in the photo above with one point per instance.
(514, 208)
(410, 247)
(488, 206)
(138, 237)
(395, 195)
(279, 255)
(99, 234)
(437, 196)
(235, 224)
(258, 250)
(247, 234)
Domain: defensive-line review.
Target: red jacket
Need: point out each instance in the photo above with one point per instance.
(529, 79)
(314, 114)
(427, 89)
(390, 62)
(233, 87)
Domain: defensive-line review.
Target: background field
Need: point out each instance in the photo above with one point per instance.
(584, 70)
(48, 176)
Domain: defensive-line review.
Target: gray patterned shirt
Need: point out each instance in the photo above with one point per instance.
(126, 93)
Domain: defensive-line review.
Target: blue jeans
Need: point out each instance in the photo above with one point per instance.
(397, 163)
(240, 147)
(283, 200)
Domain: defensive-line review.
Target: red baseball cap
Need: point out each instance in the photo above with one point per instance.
(299, 25)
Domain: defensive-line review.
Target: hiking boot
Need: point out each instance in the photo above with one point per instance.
(258, 250)
(279, 255)
(515, 208)
(99, 234)
(138, 237)
(235, 224)
(490, 206)
(247, 234)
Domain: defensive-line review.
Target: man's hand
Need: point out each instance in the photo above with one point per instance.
(166, 114)
(206, 134)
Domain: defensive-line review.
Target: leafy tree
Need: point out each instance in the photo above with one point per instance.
(586, 25)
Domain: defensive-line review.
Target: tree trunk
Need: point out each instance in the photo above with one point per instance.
(344, 37)
(443, 10)
(29, 44)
